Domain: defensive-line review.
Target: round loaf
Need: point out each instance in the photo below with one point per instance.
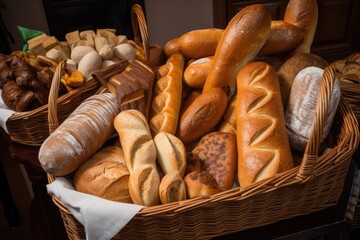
(218, 156)
(301, 108)
(200, 184)
(292, 67)
(105, 175)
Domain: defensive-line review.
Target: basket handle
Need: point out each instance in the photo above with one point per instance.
(53, 121)
(308, 163)
(139, 27)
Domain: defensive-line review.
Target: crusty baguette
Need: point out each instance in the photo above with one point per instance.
(140, 156)
(283, 38)
(303, 14)
(80, 135)
(242, 39)
(199, 43)
(202, 115)
(171, 156)
(167, 93)
(263, 145)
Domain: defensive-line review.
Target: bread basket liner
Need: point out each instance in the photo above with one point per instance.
(314, 185)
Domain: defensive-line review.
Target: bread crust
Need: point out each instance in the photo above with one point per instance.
(263, 146)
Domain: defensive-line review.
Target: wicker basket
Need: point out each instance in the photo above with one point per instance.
(314, 185)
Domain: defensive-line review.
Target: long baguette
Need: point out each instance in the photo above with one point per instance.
(80, 135)
(263, 145)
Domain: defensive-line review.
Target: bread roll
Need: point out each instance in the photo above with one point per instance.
(199, 43)
(196, 73)
(80, 135)
(105, 175)
(283, 38)
(303, 14)
(200, 184)
(301, 108)
(165, 107)
(140, 156)
(218, 156)
(263, 146)
(241, 41)
(292, 67)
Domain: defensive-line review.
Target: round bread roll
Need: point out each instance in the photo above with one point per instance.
(200, 184)
(105, 175)
(301, 108)
(218, 156)
(293, 66)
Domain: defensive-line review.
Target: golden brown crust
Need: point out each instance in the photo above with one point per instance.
(105, 175)
(200, 184)
(196, 72)
(199, 43)
(229, 120)
(283, 38)
(202, 115)
(167, 96)
(241, 41)
(171, 47)
(303, 14)
(263, 146)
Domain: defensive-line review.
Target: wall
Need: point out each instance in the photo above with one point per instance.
(25, 13)
(169, 19)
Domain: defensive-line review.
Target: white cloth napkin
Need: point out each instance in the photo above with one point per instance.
(5, 113)
(102, 219)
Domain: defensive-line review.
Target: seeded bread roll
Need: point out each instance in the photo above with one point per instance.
(105, 175)
(218, 156)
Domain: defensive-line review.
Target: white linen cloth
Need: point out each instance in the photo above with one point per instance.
(5, 113)
(102, 219)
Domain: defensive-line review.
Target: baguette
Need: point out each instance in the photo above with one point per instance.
(242, 39)
(140, 156)
(165, 106)
(171, 47)
(199, 43)
(80, 135)
(263, 145)
(304, 15)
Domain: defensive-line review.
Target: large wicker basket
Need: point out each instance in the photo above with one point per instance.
(314, 185)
